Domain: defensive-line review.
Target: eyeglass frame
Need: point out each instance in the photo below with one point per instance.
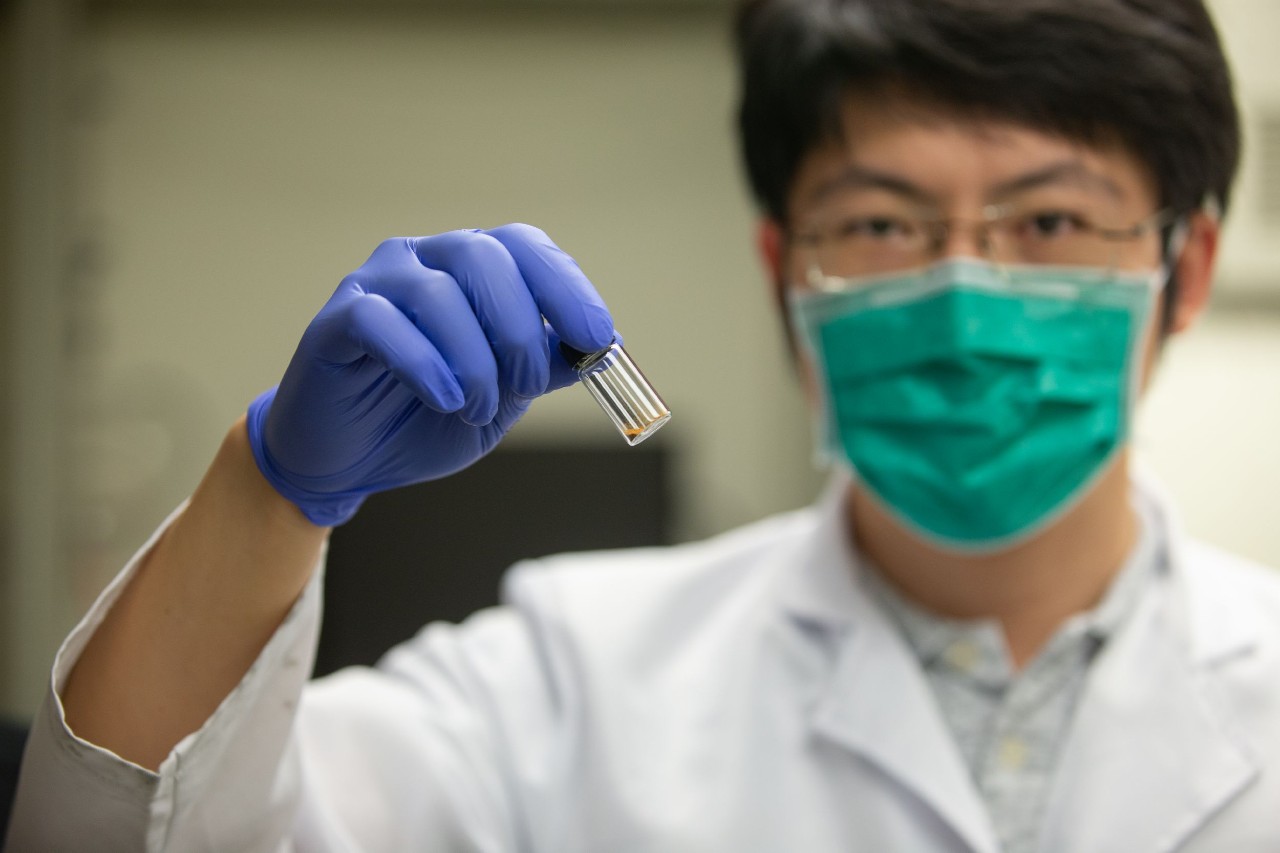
(939, 229)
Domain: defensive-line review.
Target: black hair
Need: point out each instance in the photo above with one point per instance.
(1148, 73)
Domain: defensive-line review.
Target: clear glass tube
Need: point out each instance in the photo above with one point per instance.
(622, 391)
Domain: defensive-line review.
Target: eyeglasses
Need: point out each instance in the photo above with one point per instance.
(848, 244)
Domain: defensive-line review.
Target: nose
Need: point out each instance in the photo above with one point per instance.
(959, 238)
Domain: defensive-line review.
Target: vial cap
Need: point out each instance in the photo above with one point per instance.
(575, 357)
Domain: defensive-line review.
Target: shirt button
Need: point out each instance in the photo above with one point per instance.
(1013, 752)
(963, 655)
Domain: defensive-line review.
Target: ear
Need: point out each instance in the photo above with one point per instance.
(770, 243)
(1195, 269)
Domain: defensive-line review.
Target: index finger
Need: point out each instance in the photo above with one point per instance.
(563, 293)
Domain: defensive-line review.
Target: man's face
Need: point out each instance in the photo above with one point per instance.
(900, 159)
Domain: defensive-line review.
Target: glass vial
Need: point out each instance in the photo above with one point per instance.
(621, 390)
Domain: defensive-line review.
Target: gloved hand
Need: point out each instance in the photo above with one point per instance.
(420, 362)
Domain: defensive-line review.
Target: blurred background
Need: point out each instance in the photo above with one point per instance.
(184, 183)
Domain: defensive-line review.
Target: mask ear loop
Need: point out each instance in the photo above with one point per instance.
(1211, 207)
(1178, 236)
(1179, 231)
(816, 279)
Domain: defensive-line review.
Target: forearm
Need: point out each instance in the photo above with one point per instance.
(196, 615)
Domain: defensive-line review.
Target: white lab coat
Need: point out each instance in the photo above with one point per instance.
(740, 694)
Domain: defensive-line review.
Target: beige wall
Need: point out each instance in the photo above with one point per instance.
(7, 312)
(1252, 247)
(1210, 428)
(36, 604)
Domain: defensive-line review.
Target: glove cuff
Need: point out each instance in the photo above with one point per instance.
(323, 510)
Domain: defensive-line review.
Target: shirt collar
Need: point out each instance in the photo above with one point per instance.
(977, 649)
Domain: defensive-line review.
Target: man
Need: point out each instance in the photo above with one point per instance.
(983, 219)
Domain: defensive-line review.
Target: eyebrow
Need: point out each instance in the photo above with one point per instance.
(1066, 172)
(1073, 172)
(861, 177)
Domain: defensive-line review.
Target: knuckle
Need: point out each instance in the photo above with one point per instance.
(393, 247)
(351, 284)
(472, 250)
(365, 312)
(524, 233)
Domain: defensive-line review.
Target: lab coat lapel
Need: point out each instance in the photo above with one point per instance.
(1152, 755)
(880, 706)
(876, 702)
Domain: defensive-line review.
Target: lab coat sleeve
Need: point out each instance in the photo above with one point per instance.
(450, 744)
(231, 785)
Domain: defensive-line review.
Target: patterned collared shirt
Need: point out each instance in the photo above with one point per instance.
(1009, 724)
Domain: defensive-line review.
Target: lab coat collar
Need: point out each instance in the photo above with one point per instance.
(820, 586)
(1216, 627)
(1152, 753)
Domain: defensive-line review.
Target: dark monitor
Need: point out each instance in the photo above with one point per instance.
(438, 550)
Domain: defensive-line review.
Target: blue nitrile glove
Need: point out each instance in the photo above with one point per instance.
(420, 362)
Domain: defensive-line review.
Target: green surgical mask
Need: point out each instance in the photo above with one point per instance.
(978, 403)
